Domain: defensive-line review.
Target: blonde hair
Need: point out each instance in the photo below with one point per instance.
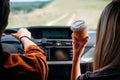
(107, 52)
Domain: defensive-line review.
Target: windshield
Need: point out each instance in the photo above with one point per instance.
(25, 13)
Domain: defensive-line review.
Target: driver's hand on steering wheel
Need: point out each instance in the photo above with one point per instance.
(22, 32)
(24, 36)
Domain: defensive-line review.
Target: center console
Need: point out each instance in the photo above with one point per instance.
(56, 42)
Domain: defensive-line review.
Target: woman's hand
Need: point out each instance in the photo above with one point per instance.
(78, 46)
(24, 40)
(22, 32)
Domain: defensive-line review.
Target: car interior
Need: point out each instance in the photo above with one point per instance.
(49, 23)
(53, 39)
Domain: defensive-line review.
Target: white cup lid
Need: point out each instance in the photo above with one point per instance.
(78, 25)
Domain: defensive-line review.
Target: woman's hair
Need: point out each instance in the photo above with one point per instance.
(4, 13)
(107, 52)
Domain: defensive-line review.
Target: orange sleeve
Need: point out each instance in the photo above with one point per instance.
(33, 60)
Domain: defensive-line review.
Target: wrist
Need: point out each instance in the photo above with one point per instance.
(75, 59)
(24, 39)
(76, 56)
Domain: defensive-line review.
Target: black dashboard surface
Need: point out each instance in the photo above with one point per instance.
(52, 33)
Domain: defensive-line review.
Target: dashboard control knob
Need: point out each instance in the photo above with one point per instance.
(44, 41)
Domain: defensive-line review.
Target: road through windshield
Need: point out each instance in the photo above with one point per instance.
(26, 13)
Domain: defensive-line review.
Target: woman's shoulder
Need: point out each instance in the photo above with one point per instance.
(110, 74)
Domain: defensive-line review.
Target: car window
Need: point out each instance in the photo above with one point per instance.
(25, 13)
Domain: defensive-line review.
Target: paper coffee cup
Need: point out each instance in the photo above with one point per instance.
(79, 29)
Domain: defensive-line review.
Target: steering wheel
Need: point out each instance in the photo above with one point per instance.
(11, 44)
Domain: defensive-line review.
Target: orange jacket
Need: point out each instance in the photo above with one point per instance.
(31, 65)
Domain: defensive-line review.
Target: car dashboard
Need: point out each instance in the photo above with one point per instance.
(54, 40)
